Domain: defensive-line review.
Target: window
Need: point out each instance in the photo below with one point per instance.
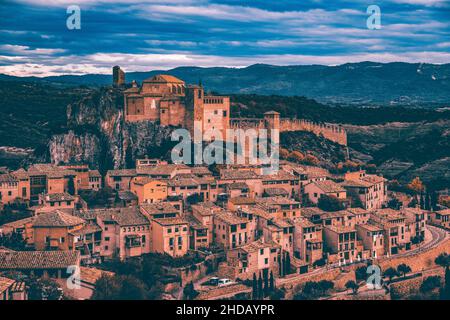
(106, 238)
(62, 240)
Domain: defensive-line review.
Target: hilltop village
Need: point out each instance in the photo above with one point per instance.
(214, 230)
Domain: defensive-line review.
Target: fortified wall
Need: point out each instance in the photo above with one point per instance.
(271, 120)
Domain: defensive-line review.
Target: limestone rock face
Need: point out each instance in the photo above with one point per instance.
(98, 135)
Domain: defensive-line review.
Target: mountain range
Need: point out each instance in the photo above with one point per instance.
(364, 83)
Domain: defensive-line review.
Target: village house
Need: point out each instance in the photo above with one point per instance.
(340, 243)
(280, 231)
(396, 227)
(282, 180)
(282, 207)
(52, 231)
(204, 213)
(125, 232)
(308, 243)
(50, 179)
(170, 236)
(22, 227)
(372, 238)
(54, 201)
(95, 180)
(9, 188)
(120, 179)
(368, 190)
(230, 231)
(417, 219)
(316, 189)
(249, 177)
(149, 190)
(199, 235)
(254, 258)
(440, 218)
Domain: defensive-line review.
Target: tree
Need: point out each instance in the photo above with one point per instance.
(430, 283)
(277, 294)
(390, 273)
(325, 286)
(443, 260)
(330, 203)
(416, 185)
(254, 287)
(446, 290)
(287, 264)
(361, 273)
(189, 292)
(266, 284)
(352, 285)
(394, 203)
(260, 287)
(319, 263)
(271, 282)
(106, 288)
(403, 269)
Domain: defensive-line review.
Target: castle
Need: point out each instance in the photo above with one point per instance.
(168, 100)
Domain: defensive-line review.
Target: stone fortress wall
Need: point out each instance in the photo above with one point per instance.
(332, 132)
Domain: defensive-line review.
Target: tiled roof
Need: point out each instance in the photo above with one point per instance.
(91, 275)
(328, 186)
(206, 208)
(53, 197)
(341, 229)
(122, 173)
(94, 173)
(21, 260)
(57, 219)
(158, 208)
(229, 218)
(7, 178)
(243, 200)
(237, 186)
(5, 284)
(164, 78)
(231, 174)
(272, 192)
(170, 221)
(126, 195)
(49, 170)
(257, 245)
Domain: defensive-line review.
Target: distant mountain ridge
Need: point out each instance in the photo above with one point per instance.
(364, 83)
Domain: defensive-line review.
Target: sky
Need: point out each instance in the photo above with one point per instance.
(143, 35)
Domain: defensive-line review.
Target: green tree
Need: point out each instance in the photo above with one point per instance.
(260, 287)
(352, 285)
(189, 292)
(361, 273)
(271, 282)
(106, 288)
(430, 283)
(403, 269)
(266, 284)
(390, 273)
(254, 287)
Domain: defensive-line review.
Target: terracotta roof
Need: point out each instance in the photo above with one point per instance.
(232, 174)
(49, 170)
(57, 219)
(257, 245)
(53, 197)
(206, 208)
(243, 200)
(91, 275)
(328, 186)
(8, 178)
(272, 192)
(158, 208)
(170, 221)
(5, 284)
(22, 260)
(164, 78)
(94, 173)
(145, 180)
(341, 229)
(237, 186)
(122, 173)
(230, 218)
(126, 195)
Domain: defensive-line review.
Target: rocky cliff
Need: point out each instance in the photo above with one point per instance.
(98, 135)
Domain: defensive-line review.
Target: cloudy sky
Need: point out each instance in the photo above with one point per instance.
(142, 35)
